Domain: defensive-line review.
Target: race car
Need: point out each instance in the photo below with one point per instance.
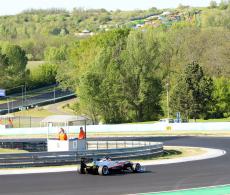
(106, 166)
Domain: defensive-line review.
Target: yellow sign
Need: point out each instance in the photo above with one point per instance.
(168, 128)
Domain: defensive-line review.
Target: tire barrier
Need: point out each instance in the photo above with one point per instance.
(114, 149)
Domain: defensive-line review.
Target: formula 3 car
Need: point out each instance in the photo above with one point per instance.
(106, 166)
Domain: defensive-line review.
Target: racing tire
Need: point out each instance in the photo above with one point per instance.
(82, 170)
(136, 168)
(103, 170)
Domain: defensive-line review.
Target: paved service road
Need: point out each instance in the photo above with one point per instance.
(157, 178)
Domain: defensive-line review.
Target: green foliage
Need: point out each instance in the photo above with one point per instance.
(17, 58)
(192, 96)
(115, 76)
(98, 86)
(118, 75)
(140, 83)
(43, 75)
(213, 4)
(4, 62)
(221, 97)
(13, 62)
(216, 18)
(223, 4)
(53, 54)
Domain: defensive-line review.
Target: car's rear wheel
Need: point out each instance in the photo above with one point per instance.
(82, 170)
(103, 170)
(136, 168)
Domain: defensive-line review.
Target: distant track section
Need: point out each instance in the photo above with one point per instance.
(31, 101)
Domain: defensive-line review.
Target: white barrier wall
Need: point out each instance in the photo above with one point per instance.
(212, 126)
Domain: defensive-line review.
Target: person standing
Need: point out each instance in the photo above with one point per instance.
(62, 135)
(81, 134)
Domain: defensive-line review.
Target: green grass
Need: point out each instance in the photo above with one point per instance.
(3, 151)
(213, 120)
(146, 122)
(191, 120)
(33, 64)
(35, 112)
(171, 152)
(3, 101)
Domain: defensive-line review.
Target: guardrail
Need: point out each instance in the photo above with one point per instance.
(97, 149)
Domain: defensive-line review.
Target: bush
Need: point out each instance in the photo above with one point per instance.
(43, 75)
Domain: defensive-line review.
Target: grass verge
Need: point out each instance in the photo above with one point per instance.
(172, 152)
(35, 112)
(4, 151)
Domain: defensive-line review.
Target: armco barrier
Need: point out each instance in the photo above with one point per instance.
(134, 149)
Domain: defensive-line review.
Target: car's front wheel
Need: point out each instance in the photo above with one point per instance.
(103, 170)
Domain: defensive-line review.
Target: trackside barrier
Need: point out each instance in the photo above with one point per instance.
(132, 149)
(206, 126)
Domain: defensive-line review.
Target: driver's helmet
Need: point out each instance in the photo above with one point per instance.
(108, 158)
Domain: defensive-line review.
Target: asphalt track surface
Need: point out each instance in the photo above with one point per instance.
(35, 99)
(208, 172)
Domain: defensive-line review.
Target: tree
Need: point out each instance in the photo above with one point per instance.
(141, 87)
(53, 54)
(92, 71)
(44, 74)
(14, 60)
(4, 63)
(193, 93)
(17, 58)
(213, 4)
(221, 96)
(223, 4)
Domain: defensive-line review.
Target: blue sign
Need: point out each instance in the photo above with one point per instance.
(2, 92)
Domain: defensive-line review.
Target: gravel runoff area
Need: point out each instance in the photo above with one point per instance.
(209, 153)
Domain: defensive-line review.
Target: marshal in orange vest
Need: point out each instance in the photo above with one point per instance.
(81, 134)
(62, 135)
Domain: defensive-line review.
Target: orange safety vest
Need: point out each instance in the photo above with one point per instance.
(62, 136)
(81, 135)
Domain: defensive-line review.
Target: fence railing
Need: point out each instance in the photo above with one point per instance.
(97, 149)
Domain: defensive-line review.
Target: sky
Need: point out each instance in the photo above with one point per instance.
(9, 7)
